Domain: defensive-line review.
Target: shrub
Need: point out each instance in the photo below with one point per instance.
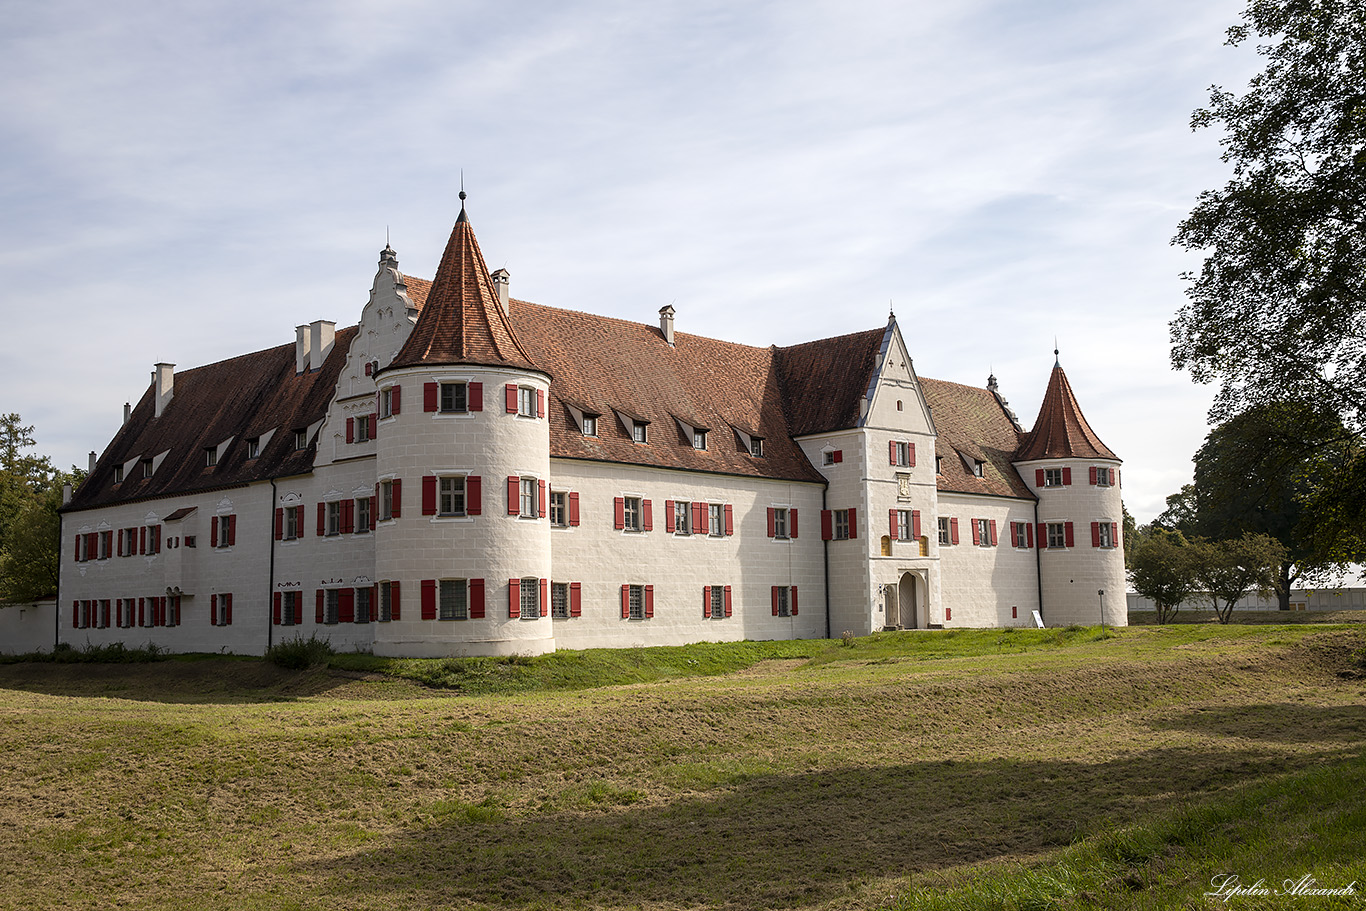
(299, 653)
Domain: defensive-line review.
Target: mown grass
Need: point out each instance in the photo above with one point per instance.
(1035, 769)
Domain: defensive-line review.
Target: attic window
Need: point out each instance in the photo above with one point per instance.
(756, 446)
(300, 440)
(699, 439)
(211, 456)
(118, 474)
(146, 467)
(977, 468)
(590, 425)
(253, 447)
(938, 464)
(640, 431)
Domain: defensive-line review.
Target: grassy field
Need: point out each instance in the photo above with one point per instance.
(964, 769)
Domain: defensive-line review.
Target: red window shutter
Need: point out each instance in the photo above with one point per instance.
(575, 599)
(142, 540)
(649, 601)
(348, 516)
(792, 523)
(277, 611)
(1095, 534)
(474, 495)
(773, 599)
(540, 498)
(953, 530)
(514, 598)
(626, 602)
(1093, 474)
(318, 604)
(429, 494)
(647, 512)
(1067, 533)
(232, 530)
(727, 600)
(891, 522)
(229, 620)
(915, 523)
(142, 612)
(369, 368)
(1014, 612)
(427, 603)
(120, 542)
(545, 599)
(429, 394)
(77, 548)
(853, 524)
(891, 452)
(540, 403)
(827, 525)
(474, 398)
(395, 400)
(374, 425)
(992, 526)
(1043, 536)
(976, 532)
(156, 539)
(1114, 477)
(476, 599)
(118, 611)
(794, 601)
(911, 449)
(839, 456)
(346, 605)
(772, 530)
(514, 494)
(1015, 534)
(322, 519)
(699, 518)
(1029, 534)
(948, 613)
(350, 430)
(573, 509)
(619, 513)
(1067, 477)
(510, 395)
(730, 520)
(669, 516)
(396, 488)
(706, 601)
(279, 524)
(1038, 477)
(1114, 533)
(213, 531)
(393, 600)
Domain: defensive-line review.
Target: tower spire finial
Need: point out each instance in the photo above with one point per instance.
(1056, 361)
(462, 188)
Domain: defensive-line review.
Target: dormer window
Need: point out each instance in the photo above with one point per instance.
(118, 474)
(978, 467)
(938, 464)
(590, 425)
(300, 440)
(146, 467)
(254, 447)
(756, 446)
(640, 431)
(211, 456)
(699, 439)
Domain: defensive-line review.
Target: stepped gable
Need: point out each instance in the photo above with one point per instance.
(461, 321)
(243, 397)
(973, 424)
(823, 381)
(1060, 430)
(610, 366)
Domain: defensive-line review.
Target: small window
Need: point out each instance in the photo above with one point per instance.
(590, 425)
(944, 536)
(901, 454)
(1104, 538)
(781, 601)
(527, 499)
(363, 522)
(780, 522)
(828, 457)
(841, 526)
(983, 532)
(559, 508)
(756, 447)
(938, 464)
(386, 500)
(331, 605)
(362, 424)
(904, 525)
(254, 448)
(210, 456)
(1057, 534)
(386, 602)
(452, 497)
(146, 467)
(716, 519)
(334, 517)
(559, 600)
(526, 401)
(293, 522)
(699, 439)
(531, 598)
(631, 513)
(300, 440)
(1103, 477)
(362, 605)
(636, 602)
(290, 613)
(118, 474)
(978, 468)
(718, 602)
(387, 399)
(454, 398)
(682, 517)
(1052, 477)
(452, 604)
(640, 432)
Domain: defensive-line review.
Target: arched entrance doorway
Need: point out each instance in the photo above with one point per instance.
(908, 598)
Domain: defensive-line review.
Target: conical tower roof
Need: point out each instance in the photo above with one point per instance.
(462, 321)
(1060, 430)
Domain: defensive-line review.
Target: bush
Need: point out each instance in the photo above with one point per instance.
(298, 654)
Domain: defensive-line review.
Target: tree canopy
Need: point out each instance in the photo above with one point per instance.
(30, 495)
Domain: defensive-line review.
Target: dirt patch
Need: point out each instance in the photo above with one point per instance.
(771, 667)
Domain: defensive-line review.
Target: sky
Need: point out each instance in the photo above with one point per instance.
(188, 182)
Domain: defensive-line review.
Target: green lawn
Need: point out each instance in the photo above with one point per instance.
(963, 769)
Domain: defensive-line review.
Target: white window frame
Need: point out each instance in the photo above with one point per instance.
(362, 433)
(632, 513)
(1052, 477)
(682, 517)
(903, 454)
(559, 600)
(1104, 534)
(828, 457)
(635, 600)
(983, 532)
(756, 447)
(718, 603)
(699, 440)
(254, 448)
(840, 525)
(452, 599)
(333, 518)
(386, 402)
(300, 440)
(945, 533)
(905, 525)
(780, 516)
(559, 509)
(530, 598)
(291, 608)
(386, 500)
(364, 520)
(640, 432)
(210, 456)
(526, 498)
(1102, 477)
(1057, 535)
(716, 519)
(451, 496)
(526, 401)
(590, 425)
(449, 390)
(293, 522)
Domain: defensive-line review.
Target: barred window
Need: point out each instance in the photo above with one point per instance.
(531, 598)
(452, 604)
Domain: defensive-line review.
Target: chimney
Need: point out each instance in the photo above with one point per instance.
(127, 412)
(666, 323)
(323, 332)
(92, 461)
(500, 284)
(163, 378)
(301, 349)
(66, 494)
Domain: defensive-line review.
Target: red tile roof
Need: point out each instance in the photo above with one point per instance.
(823, 381)
(1061, 431)
(460, 320)
(973, 425)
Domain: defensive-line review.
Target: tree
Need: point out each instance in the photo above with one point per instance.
(1228, 570)
(1163, 571)
(1278, 309)
(30, 557)
(1180, 514)
(1264, 471)
(23, 478)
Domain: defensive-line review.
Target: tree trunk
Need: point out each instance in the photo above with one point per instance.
(1283, 581)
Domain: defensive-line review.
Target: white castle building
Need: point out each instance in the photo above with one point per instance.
(464, 473)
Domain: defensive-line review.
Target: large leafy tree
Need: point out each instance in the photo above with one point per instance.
(1227, 570)
(1278, 310)
(30, 494)
(23, 476)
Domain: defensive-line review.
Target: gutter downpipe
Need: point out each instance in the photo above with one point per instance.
(270, 591)
(825, 555)
(1038, 556)
(57, 608)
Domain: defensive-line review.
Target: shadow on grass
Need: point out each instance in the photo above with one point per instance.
(785, 840)
(179, 680)
(1285, 722)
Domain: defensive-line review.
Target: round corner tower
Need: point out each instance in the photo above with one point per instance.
(462, 473)
(1080, 516)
